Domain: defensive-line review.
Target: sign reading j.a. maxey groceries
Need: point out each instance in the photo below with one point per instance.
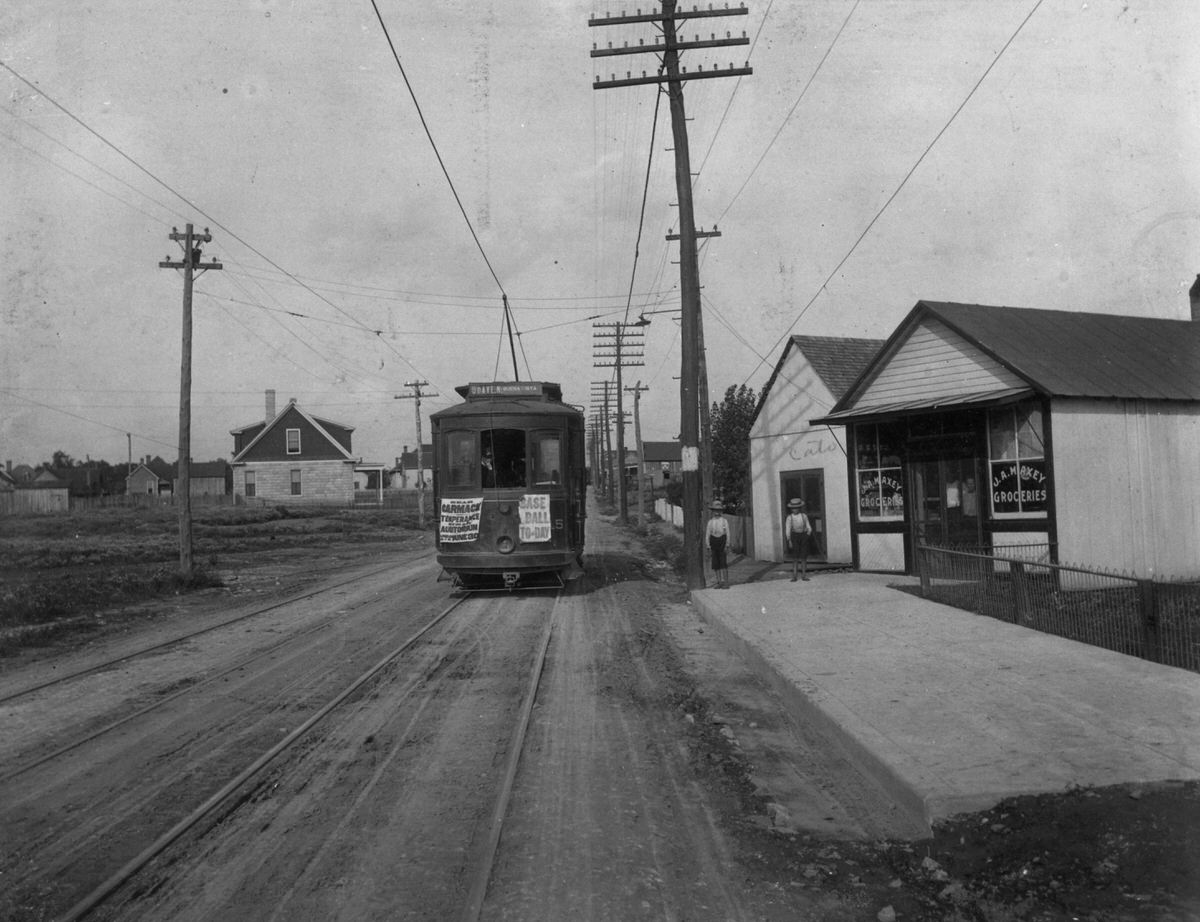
(459, 520)
(1018, 486)
(535, 517)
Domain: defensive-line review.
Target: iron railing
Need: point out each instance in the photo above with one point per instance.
(1151, 619)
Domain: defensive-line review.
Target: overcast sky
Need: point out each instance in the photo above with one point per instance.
(1064, 177)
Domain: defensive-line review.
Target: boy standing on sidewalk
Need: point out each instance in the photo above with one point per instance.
(796, 529)
(717, 533)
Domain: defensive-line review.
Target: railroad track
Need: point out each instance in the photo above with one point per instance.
(261, 654)
(458, 642)
(149, 649)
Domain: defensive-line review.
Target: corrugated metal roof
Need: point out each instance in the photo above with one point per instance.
(1077, 354)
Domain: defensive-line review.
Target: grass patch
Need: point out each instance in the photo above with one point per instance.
(59, 572)
(666, 546)
(121, 536)
(40, 611)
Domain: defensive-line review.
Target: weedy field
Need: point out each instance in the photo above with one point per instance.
(57, 571)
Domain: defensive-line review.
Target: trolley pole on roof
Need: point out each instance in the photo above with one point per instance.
(416, 396)
(689, 271)
(190, 242)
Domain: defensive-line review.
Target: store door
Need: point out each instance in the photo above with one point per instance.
(945, 505)
(810, 487)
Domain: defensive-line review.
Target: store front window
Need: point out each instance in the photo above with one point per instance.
(880, 481)
(1017, 461)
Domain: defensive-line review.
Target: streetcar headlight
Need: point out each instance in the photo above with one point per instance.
(505, 544)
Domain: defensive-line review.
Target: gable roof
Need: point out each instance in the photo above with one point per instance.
(407, 460)
(213, 469)
(661, 451)
(318, 424)
(1065, 353)
(837, 360)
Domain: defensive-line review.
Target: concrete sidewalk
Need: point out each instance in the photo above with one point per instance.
(951, 711)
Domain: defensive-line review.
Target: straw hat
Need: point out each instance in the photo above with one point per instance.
(795, 504)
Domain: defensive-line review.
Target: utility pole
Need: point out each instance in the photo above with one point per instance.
(605, 435)
(706, 472)
(416, 396)
(190, 264)
(689, 270)
(619, 358)
(638, 390)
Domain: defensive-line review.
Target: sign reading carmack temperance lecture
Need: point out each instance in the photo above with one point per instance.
(459, 520)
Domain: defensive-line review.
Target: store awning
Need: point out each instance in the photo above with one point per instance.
(911, 407)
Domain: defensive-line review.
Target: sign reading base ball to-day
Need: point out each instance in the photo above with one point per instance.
(535, 518)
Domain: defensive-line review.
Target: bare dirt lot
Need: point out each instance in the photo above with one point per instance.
(785, 827)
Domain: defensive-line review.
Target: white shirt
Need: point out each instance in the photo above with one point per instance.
(797, 523)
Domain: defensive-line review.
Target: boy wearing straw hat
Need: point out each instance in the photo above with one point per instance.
(797, 529)
(717, 533)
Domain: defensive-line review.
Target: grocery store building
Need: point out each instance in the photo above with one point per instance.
(1065, 436)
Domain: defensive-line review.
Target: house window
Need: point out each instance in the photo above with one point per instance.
(250, 484)
(293, 441)
(880, 484)
(295, 483)
(1017, 460)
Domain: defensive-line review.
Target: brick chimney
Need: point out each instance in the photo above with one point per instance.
(1194, 297)
(270, 405)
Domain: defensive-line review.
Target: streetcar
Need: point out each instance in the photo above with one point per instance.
(509, 487)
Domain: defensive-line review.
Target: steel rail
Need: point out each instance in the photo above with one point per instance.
(162, 702)
(99, 667)
(104, 890)
(479, 886)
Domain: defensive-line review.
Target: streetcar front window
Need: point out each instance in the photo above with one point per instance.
(461, 462)
(502, 457)
(547, 459)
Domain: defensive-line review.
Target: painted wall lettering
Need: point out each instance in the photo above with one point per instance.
(809, 447)
(1019, 486)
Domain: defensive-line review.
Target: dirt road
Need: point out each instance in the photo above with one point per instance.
(658, 779)
(632, 798)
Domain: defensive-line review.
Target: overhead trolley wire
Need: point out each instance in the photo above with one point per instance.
(425, 125)
(215, 223)
(92, 163)
(729, 104)
(786, 118)
(445, 172)
(645, 193)
(900, 186)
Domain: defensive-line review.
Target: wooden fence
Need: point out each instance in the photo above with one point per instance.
(741, 527)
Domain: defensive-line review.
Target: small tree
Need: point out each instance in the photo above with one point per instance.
(731, 447)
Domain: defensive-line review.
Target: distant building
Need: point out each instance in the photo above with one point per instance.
(293, 457)
(405, 475)
(206, 478)
(661, 463)
(152, 477)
